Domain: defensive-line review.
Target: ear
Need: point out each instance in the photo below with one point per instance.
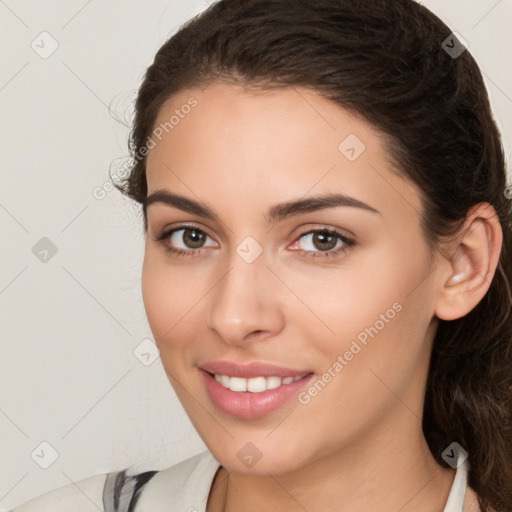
(467, 274)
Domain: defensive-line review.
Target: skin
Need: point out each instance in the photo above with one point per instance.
(357, 445)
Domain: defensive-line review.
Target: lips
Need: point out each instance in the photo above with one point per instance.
(251, 370)
(243, 402)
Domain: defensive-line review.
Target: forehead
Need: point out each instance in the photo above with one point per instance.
(268, 116)
(272, 145)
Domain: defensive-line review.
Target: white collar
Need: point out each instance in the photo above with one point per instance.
(457, 494)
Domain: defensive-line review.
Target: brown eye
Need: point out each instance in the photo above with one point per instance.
(323, 243)
(321, 240)
(183, 240)
(324, 240)
(192, 238)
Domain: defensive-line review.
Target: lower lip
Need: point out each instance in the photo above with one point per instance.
(249, 405)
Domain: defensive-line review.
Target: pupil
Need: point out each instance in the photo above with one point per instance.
(322, 238)
(194, 238)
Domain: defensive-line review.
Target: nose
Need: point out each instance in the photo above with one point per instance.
(245, 303)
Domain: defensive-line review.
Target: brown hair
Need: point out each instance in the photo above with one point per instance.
(387, 61)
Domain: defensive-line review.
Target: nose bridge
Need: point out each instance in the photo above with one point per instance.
(242, 302)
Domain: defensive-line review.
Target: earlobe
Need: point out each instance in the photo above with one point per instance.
(473, 265)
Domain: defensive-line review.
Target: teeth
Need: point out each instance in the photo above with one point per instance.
(223, 379)
(237, 384)
(255, 384)
(273, 382)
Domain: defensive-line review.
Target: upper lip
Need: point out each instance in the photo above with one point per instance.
(250, 370)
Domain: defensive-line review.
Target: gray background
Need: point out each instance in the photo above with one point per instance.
(71, 373)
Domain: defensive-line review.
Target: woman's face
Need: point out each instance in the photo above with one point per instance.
(352, 308)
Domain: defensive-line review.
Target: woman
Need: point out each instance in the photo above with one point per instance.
(327, 267)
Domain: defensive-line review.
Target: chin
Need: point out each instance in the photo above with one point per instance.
(258, 459)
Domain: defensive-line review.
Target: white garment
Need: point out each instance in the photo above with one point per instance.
(455, 500)
(183, 487)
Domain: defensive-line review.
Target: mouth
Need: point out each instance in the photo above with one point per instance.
(253, 397)
(255, 384)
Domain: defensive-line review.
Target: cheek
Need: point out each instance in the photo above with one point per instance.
(379, 350)
(341, 301)
(169, 297)
(368, 309)
(370, 370)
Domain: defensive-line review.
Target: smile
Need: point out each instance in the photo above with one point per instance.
(254, 397)
(256, 384)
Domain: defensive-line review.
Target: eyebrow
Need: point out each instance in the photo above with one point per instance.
(275, 214)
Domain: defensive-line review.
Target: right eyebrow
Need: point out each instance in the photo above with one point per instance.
(180, 202)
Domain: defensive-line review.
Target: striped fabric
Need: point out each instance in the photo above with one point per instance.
(121, 491)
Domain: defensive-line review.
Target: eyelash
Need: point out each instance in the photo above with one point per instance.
(349, 243)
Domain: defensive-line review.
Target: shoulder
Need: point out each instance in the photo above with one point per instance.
(82, 496)
(184, 486)
(187, 482)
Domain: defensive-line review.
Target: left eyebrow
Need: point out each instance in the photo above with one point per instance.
(284, 210)
(275, 214)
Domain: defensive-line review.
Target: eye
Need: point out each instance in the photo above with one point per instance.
(323, 243)
(184, 240)
(190, 240)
